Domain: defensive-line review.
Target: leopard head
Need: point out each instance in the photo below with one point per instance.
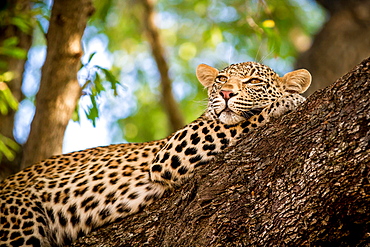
(241, 90)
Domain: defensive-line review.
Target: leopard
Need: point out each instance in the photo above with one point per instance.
(56, 201)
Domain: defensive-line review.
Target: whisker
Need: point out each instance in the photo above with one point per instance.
(230, 54)
(267, 55)
(202, 102)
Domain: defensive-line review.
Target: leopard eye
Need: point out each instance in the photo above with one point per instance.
(221, 78)
(253, 81)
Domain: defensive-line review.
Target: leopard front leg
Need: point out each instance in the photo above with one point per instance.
(278, 108)
(188, 148)
(177, 159)
(282, 106)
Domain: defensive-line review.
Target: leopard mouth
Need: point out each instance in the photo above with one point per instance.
(228, 116)
(227, 110)
(245, 114)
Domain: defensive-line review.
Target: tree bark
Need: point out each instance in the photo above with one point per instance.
(301, 180)
(175, 118)
(59, 88)
(343, 42)
(14, 9)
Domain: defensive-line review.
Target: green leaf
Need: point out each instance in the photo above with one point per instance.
(12, 41)
(23, 23)
(98, 84)
(75, 114)
(93, 112)
(3, 109)
(13, 51)
(10, 99)
(110, 78)
(7, 100)
(8, 147)
(91, 57)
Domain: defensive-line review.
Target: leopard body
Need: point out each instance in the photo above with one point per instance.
(54, 202)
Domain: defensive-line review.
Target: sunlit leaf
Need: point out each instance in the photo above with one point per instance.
(75, 115)
(15, 52)
(98, 84)
(268, 23)
(216, 36)
(93, 112)
(187, 51)
(7, 100)
(8, 147)
(12, 41)
(10, 143)
(110, 78)
(9, 48)
(3, 109)
(23, 23)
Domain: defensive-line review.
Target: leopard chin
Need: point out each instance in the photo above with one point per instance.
(229, 117)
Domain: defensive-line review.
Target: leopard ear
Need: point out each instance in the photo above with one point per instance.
(206, 74)
(296, 81)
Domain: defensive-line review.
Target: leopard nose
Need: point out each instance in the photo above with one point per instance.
(227, 94)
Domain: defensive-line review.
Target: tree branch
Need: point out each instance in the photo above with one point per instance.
(170, 105)
(300, 180)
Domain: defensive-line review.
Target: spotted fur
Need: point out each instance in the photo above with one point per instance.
(54, 202)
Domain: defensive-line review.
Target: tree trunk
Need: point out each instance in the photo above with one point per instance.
(175, 118)
(302, 179)
(343, 42)
(14, 8)
(59, 88)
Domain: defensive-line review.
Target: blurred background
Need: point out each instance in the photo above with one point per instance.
(137, 72)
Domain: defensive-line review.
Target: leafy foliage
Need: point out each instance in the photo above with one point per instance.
(193, 32)
(214, 32)
(8, 147)
(9, 49)
(7, 100)
(94, 86)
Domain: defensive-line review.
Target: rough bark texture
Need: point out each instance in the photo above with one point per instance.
(14, 8)
(300, 180)
(343, 42)
(59, 88)
(175, 118)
